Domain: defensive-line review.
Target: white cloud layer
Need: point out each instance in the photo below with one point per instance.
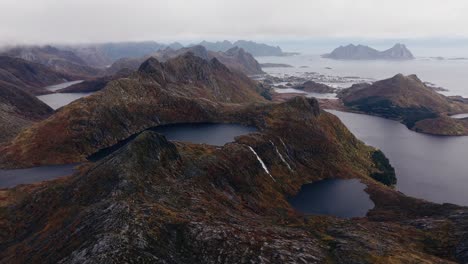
(45, 21)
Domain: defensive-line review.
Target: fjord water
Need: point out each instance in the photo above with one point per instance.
(447, 73)
(433, 168)
(11, 178)
(57, 100)
(199, 133)
(337, 197)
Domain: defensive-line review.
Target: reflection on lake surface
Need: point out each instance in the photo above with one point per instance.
(337, 197)
(199, 133)
(11, 178)
(434, 168)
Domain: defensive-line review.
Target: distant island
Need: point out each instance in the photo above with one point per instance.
(361, 52)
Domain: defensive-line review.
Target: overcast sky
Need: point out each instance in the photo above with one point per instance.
(54, 21)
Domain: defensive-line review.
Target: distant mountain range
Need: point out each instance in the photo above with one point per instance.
(361, 52)
(235, 59)
(256, 49)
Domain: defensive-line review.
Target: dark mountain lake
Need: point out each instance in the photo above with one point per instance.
(434, 168)
(57, 100)
(11, 178)
(206, 133)
(337, 197)
(199, 133)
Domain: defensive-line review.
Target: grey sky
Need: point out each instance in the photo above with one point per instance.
(45, 21)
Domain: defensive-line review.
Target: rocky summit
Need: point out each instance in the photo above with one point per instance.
(184, 89)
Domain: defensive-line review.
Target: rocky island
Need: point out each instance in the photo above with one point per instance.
(409, 100)
(361, 52)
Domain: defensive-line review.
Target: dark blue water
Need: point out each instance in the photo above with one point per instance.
(199, 133)
(341, 198)
(434, 168)
(212, 134)
(11, 178)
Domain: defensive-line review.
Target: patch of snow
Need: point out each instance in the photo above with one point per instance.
(281, 156)
(261, 162)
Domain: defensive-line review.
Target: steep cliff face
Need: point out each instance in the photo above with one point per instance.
(18, 109)
(184, 89)
(156, 201)
(408, 99)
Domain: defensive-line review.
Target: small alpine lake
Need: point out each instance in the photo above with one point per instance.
(336, 197)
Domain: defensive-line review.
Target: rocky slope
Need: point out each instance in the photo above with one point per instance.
(157, 201)
(18, 110)
(183, 89)
(235, 59)
(360, 52)
(59, 60)
(240, 60)
(409, 100)
(28, 76)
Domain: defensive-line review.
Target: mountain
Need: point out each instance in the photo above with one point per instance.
(59, 60)
(18, 110)
(256, 49)
(156, 201)
(405, 98)
(28, 76)
(360, 52)
(183, 89)
(235, 59)
(238, 59)
(120, 50)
